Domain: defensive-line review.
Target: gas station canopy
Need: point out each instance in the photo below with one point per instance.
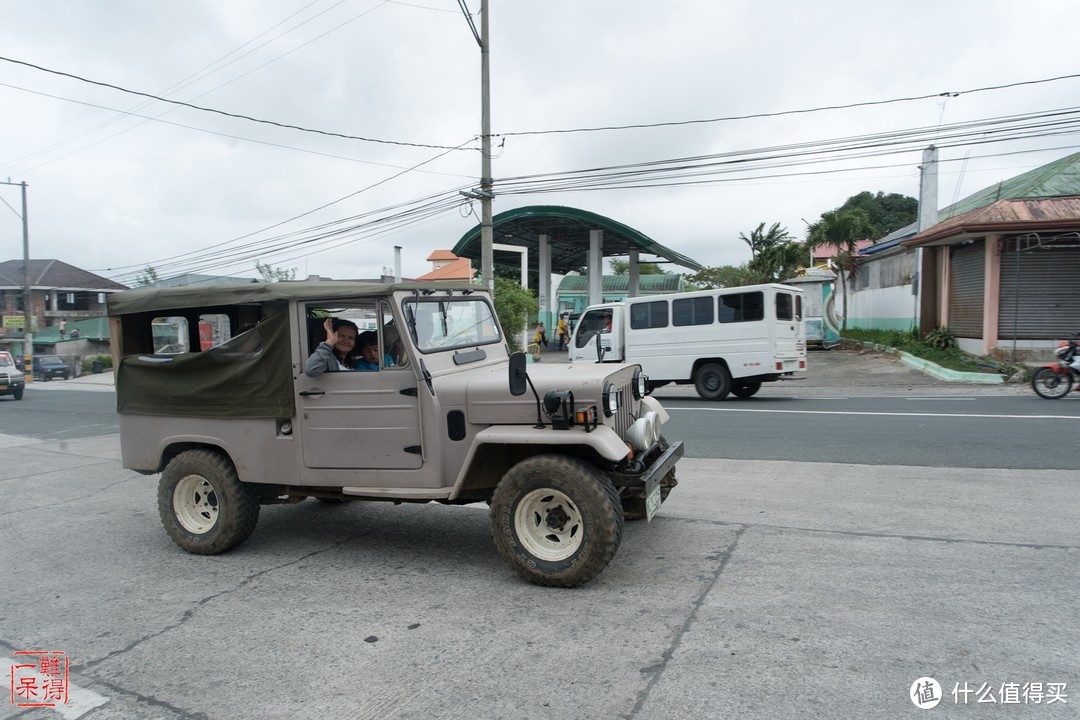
(567, 230)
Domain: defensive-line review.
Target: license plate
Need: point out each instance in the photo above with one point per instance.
(652, 502)
(3, 386)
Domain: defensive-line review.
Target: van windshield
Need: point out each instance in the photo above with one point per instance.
(441, 323)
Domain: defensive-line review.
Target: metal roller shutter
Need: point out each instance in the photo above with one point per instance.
(966, 289)
(1040, 294)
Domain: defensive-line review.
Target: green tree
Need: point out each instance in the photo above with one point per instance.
(760, 240)
(514, 305)
(272, 274)
(723, 276)
(622, 267)
(885, 212)
(147, 277)
(842, 229)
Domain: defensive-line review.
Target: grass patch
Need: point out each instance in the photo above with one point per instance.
(952, 358)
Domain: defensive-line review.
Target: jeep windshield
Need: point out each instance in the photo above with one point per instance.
(438, 324)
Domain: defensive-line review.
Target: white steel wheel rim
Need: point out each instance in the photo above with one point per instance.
(549, 525)
(195, 504)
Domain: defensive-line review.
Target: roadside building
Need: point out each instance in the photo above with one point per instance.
(62, 296)
(998, 270)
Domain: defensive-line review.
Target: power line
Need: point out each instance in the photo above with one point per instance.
(780, 113)
(224, 113)
(230, 136)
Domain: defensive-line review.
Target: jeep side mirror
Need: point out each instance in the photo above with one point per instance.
(517, 374)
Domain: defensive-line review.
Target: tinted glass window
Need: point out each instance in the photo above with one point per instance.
(692, 311)
(648, 315)
(741, 307)
(798, 307)
(784, 310)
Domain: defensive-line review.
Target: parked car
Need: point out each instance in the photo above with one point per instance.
(12, 381)
(47, 367)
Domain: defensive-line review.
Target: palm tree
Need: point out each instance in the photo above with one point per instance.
(842, 229)
(760, 240)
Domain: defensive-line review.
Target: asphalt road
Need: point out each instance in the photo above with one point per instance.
(764, 589)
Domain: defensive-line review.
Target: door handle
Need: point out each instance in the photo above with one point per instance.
(312, 393)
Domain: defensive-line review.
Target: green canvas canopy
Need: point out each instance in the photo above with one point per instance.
(161, 299)
(248, 376)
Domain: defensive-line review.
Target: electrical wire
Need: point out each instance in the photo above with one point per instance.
(237, 116)
(781, 113)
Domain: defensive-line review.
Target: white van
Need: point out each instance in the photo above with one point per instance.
(723, 341)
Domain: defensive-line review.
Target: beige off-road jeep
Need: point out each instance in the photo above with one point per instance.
(212, 394)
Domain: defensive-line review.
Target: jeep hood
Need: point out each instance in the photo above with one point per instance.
(490, 402)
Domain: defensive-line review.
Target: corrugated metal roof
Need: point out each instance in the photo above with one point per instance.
(1057, 214)
(1060, 178)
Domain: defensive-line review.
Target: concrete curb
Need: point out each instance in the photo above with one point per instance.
(949, 375)
(935, 370)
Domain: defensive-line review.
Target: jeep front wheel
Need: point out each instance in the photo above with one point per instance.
(203, 505)
(556, 520)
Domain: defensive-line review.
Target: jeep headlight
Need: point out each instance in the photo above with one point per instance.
(644, 433)
(611, 399)
(640, 384)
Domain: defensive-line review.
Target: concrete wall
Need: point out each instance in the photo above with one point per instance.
(891, 308)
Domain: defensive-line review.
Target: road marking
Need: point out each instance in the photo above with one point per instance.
(80, 700)
(882, 414)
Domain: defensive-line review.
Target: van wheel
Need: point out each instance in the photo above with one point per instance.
(712, 381)
(204, 507)
(17, 393)
(556, 520)
(745, 389)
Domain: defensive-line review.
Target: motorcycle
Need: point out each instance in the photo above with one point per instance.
(1055, 380)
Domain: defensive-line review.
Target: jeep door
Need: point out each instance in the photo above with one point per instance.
(353, 419)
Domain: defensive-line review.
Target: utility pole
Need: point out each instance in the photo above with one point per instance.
(487, 233)
(28, 332)
(484, 192)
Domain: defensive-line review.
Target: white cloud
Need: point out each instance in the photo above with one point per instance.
(132, 193)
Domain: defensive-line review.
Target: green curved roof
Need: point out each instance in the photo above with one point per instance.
(567, 229)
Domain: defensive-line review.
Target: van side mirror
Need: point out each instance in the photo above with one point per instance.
(517, 374)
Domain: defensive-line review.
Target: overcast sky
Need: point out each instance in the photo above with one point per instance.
(112, 191)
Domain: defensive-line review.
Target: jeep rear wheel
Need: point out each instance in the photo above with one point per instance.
(556, 520)
(203, 505)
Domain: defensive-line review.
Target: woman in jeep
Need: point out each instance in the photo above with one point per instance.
(338, 352)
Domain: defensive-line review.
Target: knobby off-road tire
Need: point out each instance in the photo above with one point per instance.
(204, 507)
(556, 520)
(712, 381)
(1051, 385)
(745, 389)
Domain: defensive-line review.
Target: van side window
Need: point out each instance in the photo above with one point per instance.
(741, 307)
(644, 316)
(692, 311)
(784, 310)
